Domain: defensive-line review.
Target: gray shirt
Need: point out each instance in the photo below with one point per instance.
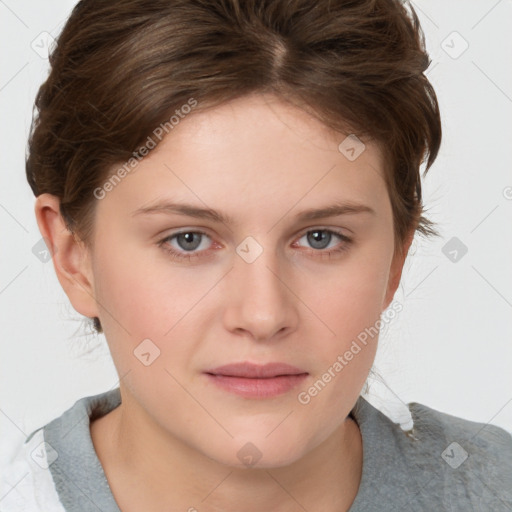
(445, 463)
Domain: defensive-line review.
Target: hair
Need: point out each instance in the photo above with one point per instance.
(122, 68)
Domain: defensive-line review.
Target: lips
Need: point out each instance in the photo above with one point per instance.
(253, 371)
(254, 381)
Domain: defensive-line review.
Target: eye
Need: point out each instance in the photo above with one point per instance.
(321, 238)
(186, 241)
(188, 245)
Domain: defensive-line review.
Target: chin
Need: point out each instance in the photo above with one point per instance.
(258, 452)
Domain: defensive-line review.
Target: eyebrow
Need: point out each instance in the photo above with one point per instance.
(333, 210)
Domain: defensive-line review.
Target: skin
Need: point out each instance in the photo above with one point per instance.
(172, 444)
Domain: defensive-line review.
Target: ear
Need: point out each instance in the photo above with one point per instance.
(71, 259)
(395, 271)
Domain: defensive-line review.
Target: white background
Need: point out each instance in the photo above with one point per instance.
(451, 346)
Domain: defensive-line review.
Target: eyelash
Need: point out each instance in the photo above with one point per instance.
(176, 255)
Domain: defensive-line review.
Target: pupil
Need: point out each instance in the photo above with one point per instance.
(319, 237)
(188, 239)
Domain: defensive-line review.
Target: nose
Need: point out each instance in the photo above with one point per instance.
(261, 303)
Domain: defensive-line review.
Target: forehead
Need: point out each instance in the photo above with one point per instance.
(262, 116)
(250, 154)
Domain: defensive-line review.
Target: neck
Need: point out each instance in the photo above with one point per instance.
(149, 469)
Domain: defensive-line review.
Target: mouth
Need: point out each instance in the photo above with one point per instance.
(256, 381)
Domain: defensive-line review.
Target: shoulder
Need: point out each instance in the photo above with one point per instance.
(37, 471)
(482, 441)
(471, 462)
(443, 463)
(26, 483)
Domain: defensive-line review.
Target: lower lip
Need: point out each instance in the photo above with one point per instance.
(257, 388)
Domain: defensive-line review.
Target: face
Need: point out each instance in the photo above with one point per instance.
(179, 295)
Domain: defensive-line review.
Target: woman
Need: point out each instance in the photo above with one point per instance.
(229, 191)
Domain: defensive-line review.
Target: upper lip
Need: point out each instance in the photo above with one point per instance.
(254, 371)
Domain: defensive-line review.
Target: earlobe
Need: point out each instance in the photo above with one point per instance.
(395, 272)
(70, 257)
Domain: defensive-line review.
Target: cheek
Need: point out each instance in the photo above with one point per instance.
(350, 308)
(140, 291)
(349, 300)
(145, 298)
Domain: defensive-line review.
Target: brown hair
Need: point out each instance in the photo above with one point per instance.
(121, 68)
